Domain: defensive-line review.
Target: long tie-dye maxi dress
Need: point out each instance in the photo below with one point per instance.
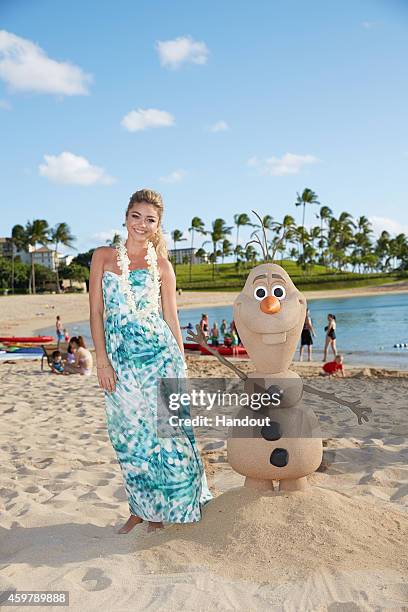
(164, 477)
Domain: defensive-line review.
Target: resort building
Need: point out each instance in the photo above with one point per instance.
(42, 256)
(6, 247)
(183, 256)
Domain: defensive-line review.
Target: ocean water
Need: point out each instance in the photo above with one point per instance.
(367, 327)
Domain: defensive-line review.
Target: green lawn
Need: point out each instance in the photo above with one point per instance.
(227, 278)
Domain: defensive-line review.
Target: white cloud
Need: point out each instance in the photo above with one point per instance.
(219, 126)
(287, 164)
(390, 225)
(143, 119)
(173, 177)
(24, 66)
(73, 169)
(367, 25)
(5, 105)
(173, 53)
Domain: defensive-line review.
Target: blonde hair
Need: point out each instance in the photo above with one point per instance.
(151, 197)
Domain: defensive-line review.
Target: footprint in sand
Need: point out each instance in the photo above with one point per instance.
(343, 606)
(43, 463)
(96, 580)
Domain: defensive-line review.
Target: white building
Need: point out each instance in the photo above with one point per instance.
(186, 253)
(42, 256)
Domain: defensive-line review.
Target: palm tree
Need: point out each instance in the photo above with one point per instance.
(308, 197)
(325, 214)
(250, 253)
(240, 220)
(362, 240)
(219, 232)
(201, 253)
(18, 242)
(197, 225)
(36, 232)
(288, 229)
(60, 234)
(177, 236)
(398, 247)
(382, 250)
(115, 240)
(226, 248)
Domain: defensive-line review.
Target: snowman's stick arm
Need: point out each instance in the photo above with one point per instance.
(330, 396)
(201, 339)
(359, 412)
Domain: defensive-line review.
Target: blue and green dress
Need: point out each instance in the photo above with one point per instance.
(163, 476)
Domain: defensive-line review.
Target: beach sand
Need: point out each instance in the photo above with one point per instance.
(341, 546)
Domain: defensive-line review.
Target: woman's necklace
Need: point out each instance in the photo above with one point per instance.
(152, 282)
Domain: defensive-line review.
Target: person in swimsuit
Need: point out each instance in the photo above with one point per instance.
(215, 334)
(204, 324)
(330, 340)
(59, 330)
(306, 338)
(83, 358)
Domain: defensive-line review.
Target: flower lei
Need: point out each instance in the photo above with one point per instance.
(153, 281)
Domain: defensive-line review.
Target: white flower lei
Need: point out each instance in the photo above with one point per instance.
(153, 282)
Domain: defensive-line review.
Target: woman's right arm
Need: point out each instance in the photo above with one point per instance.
(106, 374)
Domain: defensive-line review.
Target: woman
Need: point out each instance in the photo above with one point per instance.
(330, 340)
(306, 338)
(164, 477)
(83, 362)
(204, 324)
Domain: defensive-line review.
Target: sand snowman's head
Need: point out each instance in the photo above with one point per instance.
(269, 314)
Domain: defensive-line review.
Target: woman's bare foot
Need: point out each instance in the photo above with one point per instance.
(153, 526)
(132, 521)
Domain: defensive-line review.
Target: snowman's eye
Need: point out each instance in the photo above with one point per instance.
(279, 292)
(260, 293)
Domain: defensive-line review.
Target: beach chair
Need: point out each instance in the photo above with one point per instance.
(48, 350)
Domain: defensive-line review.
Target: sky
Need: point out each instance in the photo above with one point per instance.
(223, 107)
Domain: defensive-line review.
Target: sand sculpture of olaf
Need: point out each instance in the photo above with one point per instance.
(269, 314)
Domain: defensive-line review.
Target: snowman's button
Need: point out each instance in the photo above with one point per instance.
(279, 457)
(272, 431)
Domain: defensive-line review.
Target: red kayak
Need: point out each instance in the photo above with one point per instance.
(26, 339)
(226, 350)
(191, 346)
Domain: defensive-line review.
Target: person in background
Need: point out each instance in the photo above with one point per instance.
(70, 354)
(234, 330)
(66, 335)
(330, 340)
(204, 324)
(234, 341)
(56, 366)
(215, 334)
(306, 338)
(227, 339)
(334, 368)
(223, 327)
(83, 358)
(59, 330)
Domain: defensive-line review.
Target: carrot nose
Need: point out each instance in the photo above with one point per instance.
(270, 305)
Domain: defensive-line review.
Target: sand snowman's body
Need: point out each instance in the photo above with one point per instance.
(288, 449)
(269, 314)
